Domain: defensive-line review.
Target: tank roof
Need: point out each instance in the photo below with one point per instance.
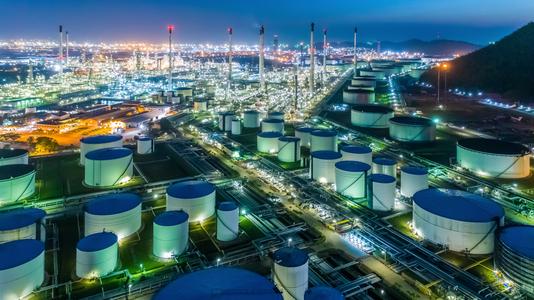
(323, 293)
(519, 239)
(227, 206)
(21, 217)
(365, 77)
(289, 139)
(255, 112)
(13, 171)
(112, 204)
(226, 113)
(382, 160)
(184, 88)
(108, 153)
(458, 205)
(97, 241)
(356, 149)
(290, 257)
(352, 166)
(305, 129)
(276, 113)
(270, 134)
(101, 139)
(190, 189)
(273, 121)
(9, 153)
(145, 138)
(358, 91)
(324, 133)
(326, 154)
(372, 108)
(18, 252)
(381, 178)
(171, 218)
(414, 170)
(408, 120)
(493, 146)
(220, 283)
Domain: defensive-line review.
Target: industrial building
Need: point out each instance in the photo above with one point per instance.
(195, 197)
(371, 115)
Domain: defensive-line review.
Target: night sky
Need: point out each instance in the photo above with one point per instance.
(479, 21)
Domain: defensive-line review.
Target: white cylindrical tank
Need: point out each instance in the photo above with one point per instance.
(358, 96)
(22, 268)
(323, 140)
(351, 177)
(184, 92)
(374, 73)
(267, 142)
(90, 143)
(145, 145)
(227, 221)
(24, 223)
(362, 154)
(322, 166)
(275, 115)
(459, 220)
(171, 234)
(251, 119)
(412, 129)
(200, 105)
(195, 197)
(304, 133)
(268, 125)
(13, 157)
(288, 149)
(413, 180)
(236, 127)
(385, 165)
(119, 213)
(381, 192)
(371, 115)
(361, 87)
(108, 167)
(364, 81)
(323, 293)
(290, 273)
(225, 121)
(16, 183)
(493, 158)
(97, 255)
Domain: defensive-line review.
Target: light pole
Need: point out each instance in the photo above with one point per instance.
(445, 68)
(439, 73)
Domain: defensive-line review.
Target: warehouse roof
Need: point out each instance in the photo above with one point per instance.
(97, 241)
(112, 204)
(171, 218)
(290, 257)
(493, 146)
(458, 205)
(519, 239)
(108, 153)
(18, 252)
(101, 139)
(190, 189)
(19, 218)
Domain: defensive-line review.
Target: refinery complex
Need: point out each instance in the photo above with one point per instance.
(251, 171)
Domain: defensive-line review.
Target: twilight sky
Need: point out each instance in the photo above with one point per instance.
(479, 21)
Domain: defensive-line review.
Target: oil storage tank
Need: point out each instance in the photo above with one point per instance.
(236, 126)
(371, 115)
(374, 73)
(97, 255)
(90, 143)
(225, 120)
(227, 221)
(323, 293)
(220, 283)
(358, 96)
(22, 268)
(459, 220)
(145, 145)
(22, 223)
(412, 129)
(351, 177)
(514, 256)
(16, 183)
(290, 273)
(385, 165)
(362, 154)
(171, 234)
(267, 142)
(288, 149)
(119, 213)
(251, 119)
(268, 125)
(413, 180)
(361, 87)
(369, 81)
(275, 115)
(13, 157)
(322, 166)
(304, 133)
(200, 105)
(493, 158)
(195, 197)
(323, 140)
(381, 192)
(108, 167)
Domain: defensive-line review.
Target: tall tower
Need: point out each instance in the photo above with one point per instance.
(355, 59)
(325, 48)
(230, 33)
(171, 29)
(29, 80)
(66, 48)
(276, 43)
(312, 59)
(262, 59)
(378, 48)
(60, 55)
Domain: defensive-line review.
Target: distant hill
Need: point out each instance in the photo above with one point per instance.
(506, 67)
(433, 48)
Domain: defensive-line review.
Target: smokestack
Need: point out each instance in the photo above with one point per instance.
(67, 48)
(325, 47)
(60, 48)
(262, 59)
(355, 59)
(171, 29)
(312, 59)
(230, 33)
